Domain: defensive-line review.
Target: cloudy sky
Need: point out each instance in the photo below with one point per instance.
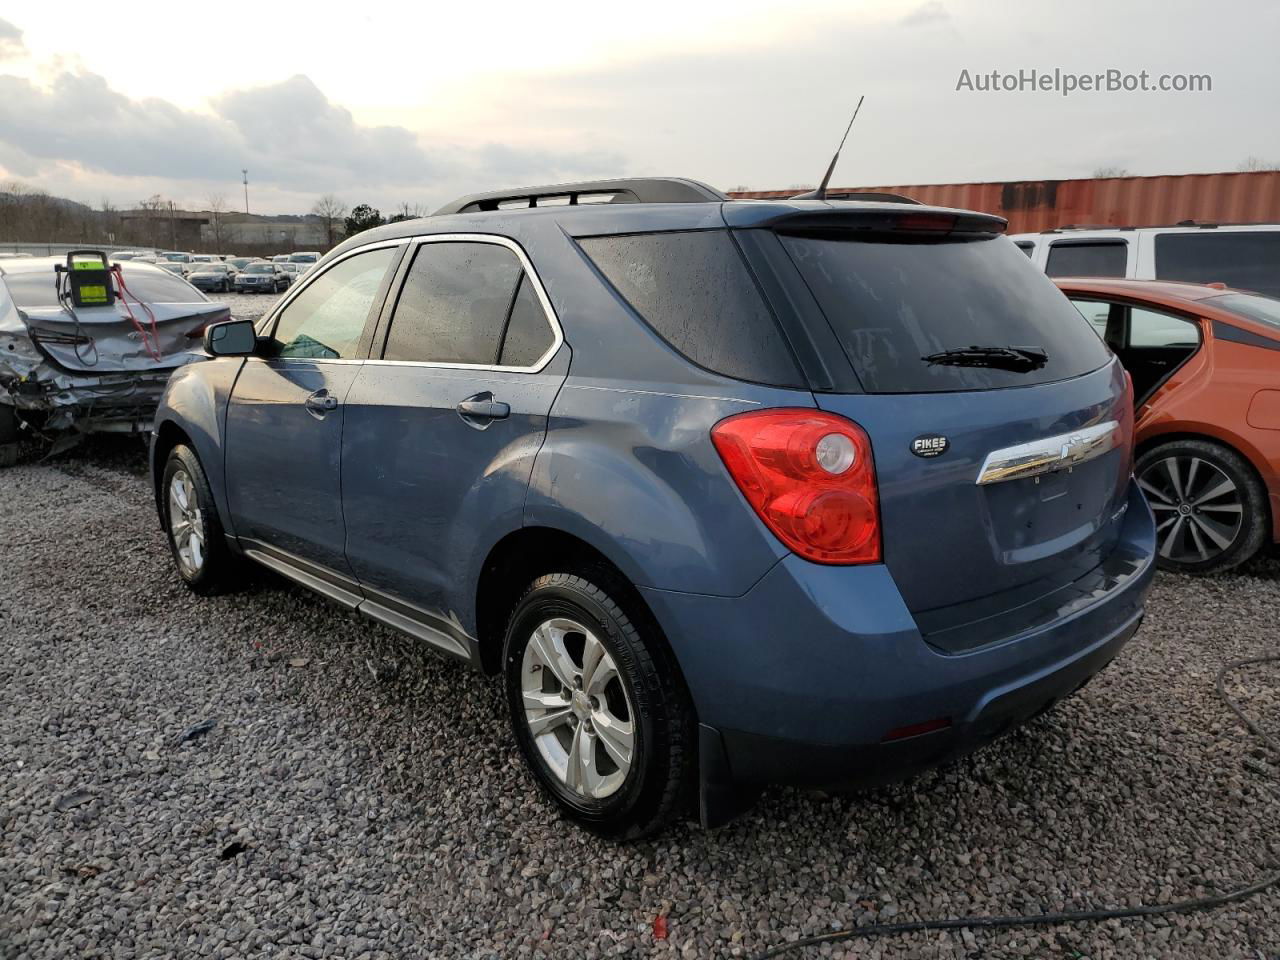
(420, 102)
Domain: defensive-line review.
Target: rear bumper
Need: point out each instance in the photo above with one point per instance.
(814, 675)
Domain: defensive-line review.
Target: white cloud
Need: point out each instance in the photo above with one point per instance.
(12, 46)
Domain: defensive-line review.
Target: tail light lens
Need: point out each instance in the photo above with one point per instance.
(810, 477)
(1129, 413)
(196, 332)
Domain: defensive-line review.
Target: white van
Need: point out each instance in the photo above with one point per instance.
(1243, 256)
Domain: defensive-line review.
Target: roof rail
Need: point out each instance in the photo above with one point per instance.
(1064, 228)
(631, 190)
(870, 196)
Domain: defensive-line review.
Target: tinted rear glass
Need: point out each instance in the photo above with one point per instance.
(1245, 260)
(1104, 258)
(1262, 309)
(695, 292)
(891, 304)
(37, 289)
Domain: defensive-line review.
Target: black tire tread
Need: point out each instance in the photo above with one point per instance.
(673, 700)
(1253, 491)
(222, 571)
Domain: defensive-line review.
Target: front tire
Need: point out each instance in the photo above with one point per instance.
(1210, 505)
(200, 552)
(598, 708)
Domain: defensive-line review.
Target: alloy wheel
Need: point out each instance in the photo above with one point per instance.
(186, 523)
(1199, 510)
(577, 708)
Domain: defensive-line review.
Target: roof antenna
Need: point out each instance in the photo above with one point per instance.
(821, 192)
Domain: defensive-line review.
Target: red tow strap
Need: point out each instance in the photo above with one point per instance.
(150, 339)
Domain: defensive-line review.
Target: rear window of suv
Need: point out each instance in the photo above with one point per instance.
(1087, 258)
(693, 289)
(1245, 260)
(893, 303)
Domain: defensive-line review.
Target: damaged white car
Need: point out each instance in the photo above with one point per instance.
(87, 345)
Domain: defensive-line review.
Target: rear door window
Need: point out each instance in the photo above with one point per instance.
(1151, 328)
(325, 320)
(892, 304)
(1087, 258)
(693, 289)
(468, 303)
(1247, 260)
(528, 336)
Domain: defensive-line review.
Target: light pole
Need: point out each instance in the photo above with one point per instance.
(246, 191)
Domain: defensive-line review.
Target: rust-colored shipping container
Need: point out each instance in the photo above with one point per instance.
(1033, 205)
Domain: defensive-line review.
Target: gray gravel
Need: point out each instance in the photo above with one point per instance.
(358, 798)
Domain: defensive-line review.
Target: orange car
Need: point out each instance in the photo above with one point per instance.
(1205, 364)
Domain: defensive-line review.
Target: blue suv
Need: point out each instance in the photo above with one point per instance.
(730, 493)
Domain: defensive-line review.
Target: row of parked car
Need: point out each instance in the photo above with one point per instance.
(214, 273)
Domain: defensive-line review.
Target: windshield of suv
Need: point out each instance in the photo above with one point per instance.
(1251, 306)
(897, 306)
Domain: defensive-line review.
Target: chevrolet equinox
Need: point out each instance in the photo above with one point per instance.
(730, 493)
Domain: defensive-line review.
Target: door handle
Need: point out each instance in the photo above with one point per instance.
(481, 410)
(320, 403)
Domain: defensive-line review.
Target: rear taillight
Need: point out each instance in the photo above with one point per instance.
(810, 477)
(931, 222)
(196, 332)
(1126, 421)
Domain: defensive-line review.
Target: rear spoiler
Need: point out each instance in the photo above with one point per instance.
(878, 219)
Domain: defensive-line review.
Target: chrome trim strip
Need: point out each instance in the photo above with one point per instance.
(1050, 454)
(313, 579)
(419, 629)
(548, 310)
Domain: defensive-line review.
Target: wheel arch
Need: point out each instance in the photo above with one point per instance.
(529, 552)
(167, 436)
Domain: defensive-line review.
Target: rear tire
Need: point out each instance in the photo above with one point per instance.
(200, 552)
(598, 708)
(1210, 506)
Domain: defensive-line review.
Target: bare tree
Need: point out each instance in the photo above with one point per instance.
(1252, 164)
(331, 210)
(218, 208)
(151, 213)
(1104, 173)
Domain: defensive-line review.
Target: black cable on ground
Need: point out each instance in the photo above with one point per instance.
(1071, 916)
(1220, 686)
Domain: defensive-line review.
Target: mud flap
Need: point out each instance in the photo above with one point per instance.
(720, 799)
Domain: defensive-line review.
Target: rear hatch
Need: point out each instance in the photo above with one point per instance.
(1041, 404)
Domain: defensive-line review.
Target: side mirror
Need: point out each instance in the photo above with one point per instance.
(232, 338)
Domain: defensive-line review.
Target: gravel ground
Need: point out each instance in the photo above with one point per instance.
(358, 798)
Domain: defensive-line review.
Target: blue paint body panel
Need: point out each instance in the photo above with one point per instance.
(991, 601)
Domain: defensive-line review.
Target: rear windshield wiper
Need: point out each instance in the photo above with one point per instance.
(1015, 359)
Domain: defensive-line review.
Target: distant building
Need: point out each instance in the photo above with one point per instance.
(1033, 205)
(165, 227)
(283, 233)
